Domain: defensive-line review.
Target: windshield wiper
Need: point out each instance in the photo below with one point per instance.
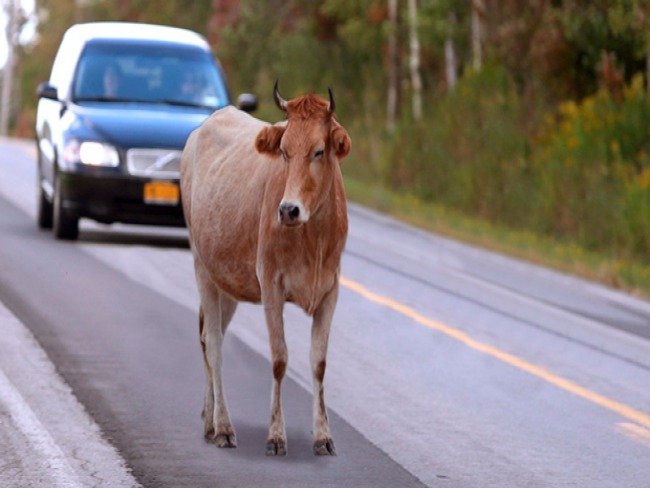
(183, 103)
(111, 99)
(178, 103)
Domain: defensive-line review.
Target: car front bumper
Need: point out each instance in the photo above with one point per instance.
(117, 198)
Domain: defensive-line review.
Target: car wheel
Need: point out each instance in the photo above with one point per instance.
(65, 226)
(44, 208)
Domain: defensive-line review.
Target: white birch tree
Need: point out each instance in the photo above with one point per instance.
(414, 60)
(393, 66)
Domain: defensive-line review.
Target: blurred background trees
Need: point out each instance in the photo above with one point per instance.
(534, 113)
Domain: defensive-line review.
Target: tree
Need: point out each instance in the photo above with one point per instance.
(8, 71)
(451, 65)
(592, 27)
(414, 64)
(394, 92)
(478, 13)
(445, 24)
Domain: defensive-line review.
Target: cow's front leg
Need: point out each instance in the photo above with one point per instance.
(323, 442)
(277, 440)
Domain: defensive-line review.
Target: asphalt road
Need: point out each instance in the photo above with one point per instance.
(448, 366)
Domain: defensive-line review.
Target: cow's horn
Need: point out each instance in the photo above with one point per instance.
(279, 101)
(332, 104)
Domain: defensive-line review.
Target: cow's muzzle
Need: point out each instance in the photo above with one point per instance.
(291, 213)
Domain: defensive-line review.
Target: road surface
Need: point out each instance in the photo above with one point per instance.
(448, 366)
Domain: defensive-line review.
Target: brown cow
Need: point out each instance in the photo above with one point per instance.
(266, 212)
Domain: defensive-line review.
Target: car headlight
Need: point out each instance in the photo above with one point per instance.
(91, 153)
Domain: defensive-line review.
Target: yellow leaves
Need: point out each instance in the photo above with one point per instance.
(599, 129)
(568, 109)
(566, 127)
(643, 179)
(572, 142)
(635, 89)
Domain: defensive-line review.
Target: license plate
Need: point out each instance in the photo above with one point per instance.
(161, 193)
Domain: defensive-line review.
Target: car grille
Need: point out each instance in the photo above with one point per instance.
(156, 163)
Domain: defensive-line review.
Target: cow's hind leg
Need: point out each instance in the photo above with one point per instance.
(208, 400)
(323, 442)
(215, 314)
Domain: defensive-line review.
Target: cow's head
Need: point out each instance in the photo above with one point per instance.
(311, 142)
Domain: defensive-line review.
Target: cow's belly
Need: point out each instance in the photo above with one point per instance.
(228, 255)
(241, 288)
(231, 268)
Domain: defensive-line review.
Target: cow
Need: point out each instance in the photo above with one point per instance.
(266, 212)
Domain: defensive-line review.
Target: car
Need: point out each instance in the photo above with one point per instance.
(113, 119)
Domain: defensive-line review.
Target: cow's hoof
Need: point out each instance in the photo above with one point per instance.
(324, 448)
(223, 440)
(276, 447)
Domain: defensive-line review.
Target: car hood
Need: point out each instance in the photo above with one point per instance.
(140, 125)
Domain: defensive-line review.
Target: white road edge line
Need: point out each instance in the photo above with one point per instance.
(39, 438)
(54, 425)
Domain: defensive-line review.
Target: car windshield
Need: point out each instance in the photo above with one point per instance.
(143, 72)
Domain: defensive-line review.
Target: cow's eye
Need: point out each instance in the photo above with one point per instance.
(318, 154)
(283, 154)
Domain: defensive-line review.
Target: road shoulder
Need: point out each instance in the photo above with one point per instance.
(50, 438)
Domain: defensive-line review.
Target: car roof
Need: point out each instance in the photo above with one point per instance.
(83, 33)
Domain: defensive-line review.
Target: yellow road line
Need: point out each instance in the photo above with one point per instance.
(634, 432)
(619, 408)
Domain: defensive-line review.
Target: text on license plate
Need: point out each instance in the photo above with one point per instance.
(161, 193)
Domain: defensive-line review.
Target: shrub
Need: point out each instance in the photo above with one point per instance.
(583, 177)
(594, 171)
(468, 153)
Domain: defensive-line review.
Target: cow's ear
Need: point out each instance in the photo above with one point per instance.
(341, 142)
(268, 140)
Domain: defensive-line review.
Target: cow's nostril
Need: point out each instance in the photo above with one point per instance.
(288, 212)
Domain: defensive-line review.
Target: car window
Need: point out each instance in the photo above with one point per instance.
(149, 73)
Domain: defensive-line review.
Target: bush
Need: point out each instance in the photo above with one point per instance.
(583, 177)
(594, 171)
(468, 153)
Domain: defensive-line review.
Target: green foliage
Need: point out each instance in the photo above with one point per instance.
(358, 24)
(594, 171)
(330, 43)
(583, 177)
(592, 27)
(469, 152)
(440, 19)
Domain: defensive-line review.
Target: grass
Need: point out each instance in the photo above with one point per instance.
(629, 276)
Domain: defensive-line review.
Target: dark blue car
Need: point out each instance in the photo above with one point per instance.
(113, 119)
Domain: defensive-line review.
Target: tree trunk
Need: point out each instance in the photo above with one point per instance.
(478, 11)
(450, 56)
(647, 72)
(8, 71)
(393, 66)
(414, 64)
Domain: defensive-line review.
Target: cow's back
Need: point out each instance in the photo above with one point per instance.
(223, 182)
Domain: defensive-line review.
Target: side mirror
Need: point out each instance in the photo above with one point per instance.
(247, 102)
(45, 90)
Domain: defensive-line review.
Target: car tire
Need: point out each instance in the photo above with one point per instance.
(44, 208)
(65, 226)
